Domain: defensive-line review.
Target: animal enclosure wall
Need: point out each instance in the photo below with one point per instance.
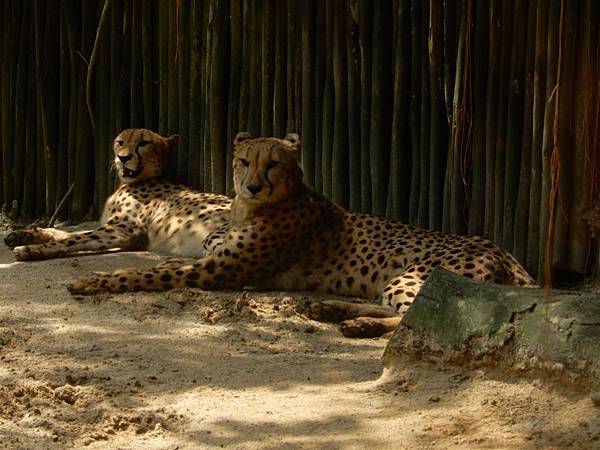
(461, 115)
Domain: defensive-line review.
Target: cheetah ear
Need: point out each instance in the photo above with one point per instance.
(293, 139)
(241, 137)
(172, 141)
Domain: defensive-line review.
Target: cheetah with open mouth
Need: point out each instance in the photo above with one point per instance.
(146, 212)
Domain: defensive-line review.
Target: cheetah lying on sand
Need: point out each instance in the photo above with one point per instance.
(145, 212)
(284, 236)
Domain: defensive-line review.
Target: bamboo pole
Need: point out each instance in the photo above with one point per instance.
(491, 115)
(255, 97)
(539, 107)
(353, 95)
(134, 77)
(553, 44)
(339, 151)
(245, 70)
(219, 30)
(16, 122)
(425, 131)
(307, 30)
(327, 105)
(480, 75)
(280, 70)
(500, 147)
(164, 67)
(183, 89)
(149, 48)
(235, 64)
(514, 123)
(195, 93)
(365, 27)
(414, 116)
(293, 55)
(519, 245)
(320, 70)
(62, 171)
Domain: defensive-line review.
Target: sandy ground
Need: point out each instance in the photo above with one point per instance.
(190, 369)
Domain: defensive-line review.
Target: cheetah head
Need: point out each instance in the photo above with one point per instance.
(141, 154)
(266, 170)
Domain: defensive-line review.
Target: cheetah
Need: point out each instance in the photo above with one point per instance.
(146, 212)
(282, 235)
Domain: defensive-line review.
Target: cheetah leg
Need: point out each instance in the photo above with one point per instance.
(105, 238)
(369, 327)
(397, 296)
(210, 273)
(35, 236)
(338, 311)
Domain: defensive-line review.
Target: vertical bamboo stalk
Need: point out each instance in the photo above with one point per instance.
(503, 84)
(164, 67)
(553, 44)
(15, 123)
(219, 30)
(365, 27)
(195, 92)
(539, 108)
(354, 132)
(480, 75)
(150, 59)
(173, 73)
(425, 150)
(379, 129)
(62, 171)
(255, 98)
(339, 152)
(563, 135)
(235, 65)
(183, 88)
(320, 71)
(522, 204)
(308, 91)
(414, 116)
(491, 115)
(328, 103)
(244, 68)
(292, 58)
(206, 68)
(135, 90)
(84, 156)
(280, 70)
(514, 124)
(46, 33)
(585, 95)
(29, 171)
(267, 56)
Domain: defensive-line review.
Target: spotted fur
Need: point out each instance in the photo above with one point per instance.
(282, 235)
(145, 212)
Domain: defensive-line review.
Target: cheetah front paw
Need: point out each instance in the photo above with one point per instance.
(29, 253)
(30, 236)
(89, 285)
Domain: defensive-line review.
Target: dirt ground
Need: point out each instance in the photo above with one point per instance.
(191, 369)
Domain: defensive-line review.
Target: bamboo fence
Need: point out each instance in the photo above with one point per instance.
(466, 116)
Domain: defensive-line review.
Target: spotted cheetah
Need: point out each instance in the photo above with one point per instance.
(282, 235)
(145, 212)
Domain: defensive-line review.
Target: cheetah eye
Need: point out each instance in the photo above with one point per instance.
(120, 143)
(244, 162)
(272, 164)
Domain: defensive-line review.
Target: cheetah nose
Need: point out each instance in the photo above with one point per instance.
(255, 188)
(124, 158)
